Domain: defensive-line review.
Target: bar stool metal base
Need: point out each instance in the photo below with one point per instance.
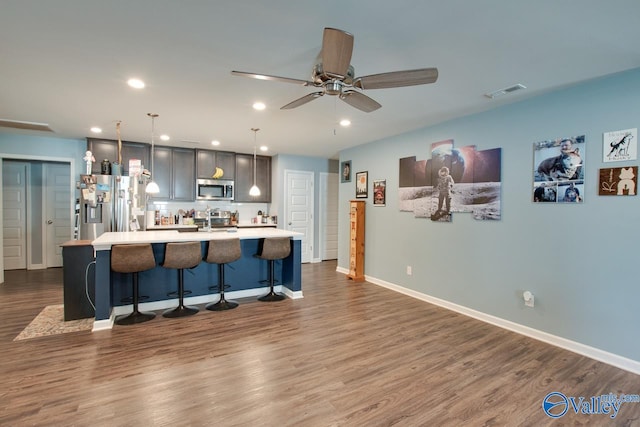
(180, 311)
(271, 297)
(135, 317)
(222, 305)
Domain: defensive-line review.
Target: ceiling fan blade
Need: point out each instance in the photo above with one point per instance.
(337, 47)
(397, 79)
(301, 101)
(360, 101)
(272, 78)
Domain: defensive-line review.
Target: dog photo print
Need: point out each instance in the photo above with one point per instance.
(620, 145)
(558, 172)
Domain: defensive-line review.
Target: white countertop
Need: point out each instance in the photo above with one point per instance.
(105, 241)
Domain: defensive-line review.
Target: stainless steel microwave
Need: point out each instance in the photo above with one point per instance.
(214, 189)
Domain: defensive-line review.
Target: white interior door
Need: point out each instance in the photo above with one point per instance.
(328, 197)
(14, 209)
(299, 208)
(58, 206)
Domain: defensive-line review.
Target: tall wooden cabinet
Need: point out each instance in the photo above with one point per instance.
(356, 240)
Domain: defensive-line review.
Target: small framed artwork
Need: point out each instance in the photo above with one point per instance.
(620, 145)
(618, 181)
(362, 184)
(379, 192)
(345, 168)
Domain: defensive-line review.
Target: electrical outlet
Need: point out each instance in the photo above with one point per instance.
(528, 298)
(409, 272)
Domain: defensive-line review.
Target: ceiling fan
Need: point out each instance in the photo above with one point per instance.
(334, 74)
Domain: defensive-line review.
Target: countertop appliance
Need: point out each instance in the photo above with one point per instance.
(214, 189)
(214, 219)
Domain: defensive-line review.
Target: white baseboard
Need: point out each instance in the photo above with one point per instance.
(573, 346)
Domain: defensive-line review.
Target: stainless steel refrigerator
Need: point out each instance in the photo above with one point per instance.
(111, 203)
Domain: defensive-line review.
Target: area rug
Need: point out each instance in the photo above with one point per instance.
(50, 321)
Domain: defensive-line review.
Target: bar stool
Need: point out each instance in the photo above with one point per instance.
(271, 249)
(134, 259)
(221, 252)
(180, 256)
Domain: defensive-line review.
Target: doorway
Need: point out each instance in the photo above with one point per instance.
(328, 197)
(36, 214)
(298, 208)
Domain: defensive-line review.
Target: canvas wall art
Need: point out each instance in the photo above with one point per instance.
(452, 180)
(558, 170)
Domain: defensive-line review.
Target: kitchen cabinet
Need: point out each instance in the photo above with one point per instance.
(77, 256)
(174, 172)
(356, 240)
(244, 178)
(108, 149)
(208, 160)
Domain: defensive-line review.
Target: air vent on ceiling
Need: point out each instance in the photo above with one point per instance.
(16, 124)
(186, 141)
(505, 91)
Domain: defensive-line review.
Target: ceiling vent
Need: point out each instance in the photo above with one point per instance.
(505, 91)
(16, 124)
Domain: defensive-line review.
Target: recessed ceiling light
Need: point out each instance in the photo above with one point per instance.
(263, 148)
(345, 122)
(135, 83)
(165, 137)
(215, 142)
(96, 129)
(259, 106)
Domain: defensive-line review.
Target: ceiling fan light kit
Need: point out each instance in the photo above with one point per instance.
(335, 75)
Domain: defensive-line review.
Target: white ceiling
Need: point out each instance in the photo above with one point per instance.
(66, 63)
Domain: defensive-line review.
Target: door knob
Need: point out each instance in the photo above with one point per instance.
(50, 222)
(289, 223)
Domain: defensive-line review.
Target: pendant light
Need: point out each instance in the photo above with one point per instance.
(254, 191)
(152, 187)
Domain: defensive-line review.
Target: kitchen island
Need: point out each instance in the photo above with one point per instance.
(244, 275)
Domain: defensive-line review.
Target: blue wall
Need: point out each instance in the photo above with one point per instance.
(44, 146)
(580, 261)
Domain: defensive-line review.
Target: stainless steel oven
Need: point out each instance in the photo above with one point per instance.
(214, 189)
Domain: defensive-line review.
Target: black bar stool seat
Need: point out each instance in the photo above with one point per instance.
(221, 252)
(181, 255)
(272, 249)
(133, 258)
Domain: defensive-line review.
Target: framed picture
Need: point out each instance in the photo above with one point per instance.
(345, 168)
(379, 192)
(618, 181)
(362, 184)
(620, 146)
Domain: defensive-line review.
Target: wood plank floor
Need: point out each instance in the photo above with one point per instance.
(346, 355)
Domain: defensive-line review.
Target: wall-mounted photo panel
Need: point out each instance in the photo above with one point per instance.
(557, 163)
(452, 180)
